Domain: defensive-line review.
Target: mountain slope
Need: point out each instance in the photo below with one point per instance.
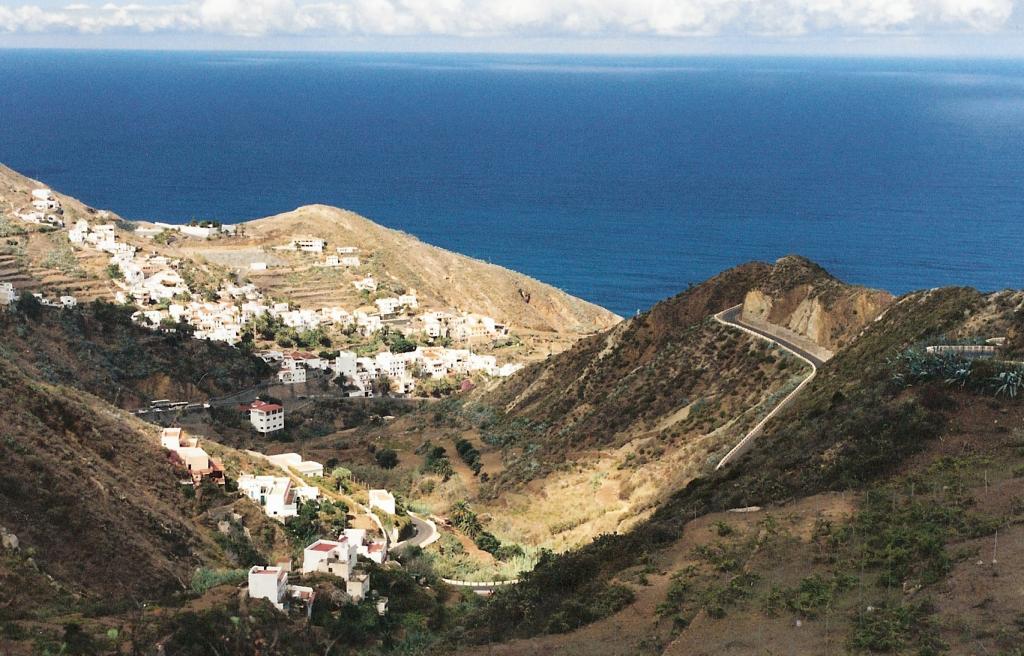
(89, 490)
(804, 298)
(96, 348)
(37, 259)
(871, 508)
(440, 277)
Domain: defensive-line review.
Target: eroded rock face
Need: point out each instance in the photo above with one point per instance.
(804, 298)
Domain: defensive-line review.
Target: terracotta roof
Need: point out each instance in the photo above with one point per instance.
(323, 546)
(263, 406)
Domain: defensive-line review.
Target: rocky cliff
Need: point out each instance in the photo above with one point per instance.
(802, 297)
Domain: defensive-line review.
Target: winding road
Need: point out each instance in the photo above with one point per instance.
(426, 533)
(731, 318)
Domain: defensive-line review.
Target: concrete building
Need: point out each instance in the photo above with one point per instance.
(7, 294)
(345, 365)
(295, 463)
(357, 586)
(269, 583)
(292, 375)
(383, 500)
(276, 494)
(308, 244)
(266, 417)
(329, 557)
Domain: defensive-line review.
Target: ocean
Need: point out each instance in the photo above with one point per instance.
(620, 180)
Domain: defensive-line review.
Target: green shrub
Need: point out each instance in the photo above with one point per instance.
(205, 578)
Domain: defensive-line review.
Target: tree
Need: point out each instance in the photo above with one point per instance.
(29, 305)
(386, 458)
(401, 344)
(382, 386)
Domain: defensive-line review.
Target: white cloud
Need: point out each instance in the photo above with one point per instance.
(562, 18)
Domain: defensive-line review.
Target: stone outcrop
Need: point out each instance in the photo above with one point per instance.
(802, 297)
(8, 540)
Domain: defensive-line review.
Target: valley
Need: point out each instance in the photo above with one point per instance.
(772, 459)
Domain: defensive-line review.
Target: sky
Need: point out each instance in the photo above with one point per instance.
(842, 27)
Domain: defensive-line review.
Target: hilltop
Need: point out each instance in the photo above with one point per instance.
(443, 278)
(39, 258)
(629, 415)
(880, 513)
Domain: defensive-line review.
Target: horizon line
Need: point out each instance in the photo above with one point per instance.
(637, 54)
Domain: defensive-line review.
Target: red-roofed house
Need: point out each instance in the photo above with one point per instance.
(266, 417)
(330, 557)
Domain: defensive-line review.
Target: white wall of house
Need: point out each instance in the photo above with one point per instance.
(383, 500)
(268, 583)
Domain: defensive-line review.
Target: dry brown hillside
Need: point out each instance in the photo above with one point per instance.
(88, 489)
(617, 422)
(97, 349)
(37, 259)
(804, 298)
(542, 319)
(442, 279)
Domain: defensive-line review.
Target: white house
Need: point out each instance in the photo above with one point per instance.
(384, 500)
(329, 557)
(292, 375)
(307, 360)
(367, 320)
(345, 365)
(295, 462)
(269, 583)
(170, 438)
(266, 417)
(164, 284)
(387, 305)
(358, 586)
(76, 235)
(131, 272)
(349, 260)
(276, 494)
(367, 284)
(374, 550)
(308, 244)
(7, 293)
(257, 266)
(309, 468)
(46, 205)
(201, 232)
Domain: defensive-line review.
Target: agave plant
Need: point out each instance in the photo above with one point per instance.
(914, 365)
(1008, 382)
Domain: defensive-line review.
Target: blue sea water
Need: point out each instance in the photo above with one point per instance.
(620, 180)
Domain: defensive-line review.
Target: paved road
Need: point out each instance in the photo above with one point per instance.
(731, 317)
(426, 533)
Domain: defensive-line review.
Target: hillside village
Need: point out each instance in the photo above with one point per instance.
(588, 505)
(235, 312)
(280, 498)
